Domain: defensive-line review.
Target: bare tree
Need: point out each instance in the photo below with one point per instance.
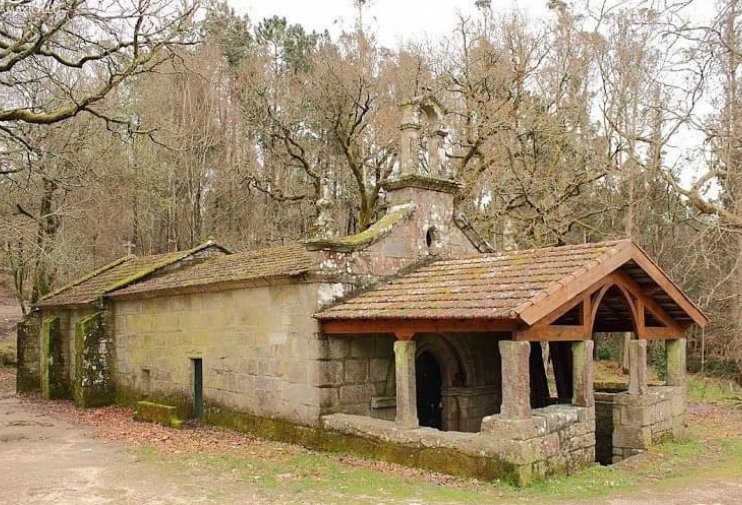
(59, 58)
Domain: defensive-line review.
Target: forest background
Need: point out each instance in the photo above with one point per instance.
(150, 125)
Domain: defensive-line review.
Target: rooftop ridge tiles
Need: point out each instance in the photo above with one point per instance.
(90, 275)
(157, 266)
(231, 269)
(620, 246)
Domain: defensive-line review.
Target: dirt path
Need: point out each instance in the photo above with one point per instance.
(47, 460)
(44, 460)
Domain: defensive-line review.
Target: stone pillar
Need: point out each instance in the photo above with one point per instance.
(410, 140)
(516, 384)
(582, 374)
(675, 357)
(404, 360)
(436, 151)
(28, 377)
(638, 367)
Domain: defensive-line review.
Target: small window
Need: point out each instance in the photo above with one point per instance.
(432, 240)
(198, 388)
(145, 380)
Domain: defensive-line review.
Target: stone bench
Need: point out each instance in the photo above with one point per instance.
(157, 413)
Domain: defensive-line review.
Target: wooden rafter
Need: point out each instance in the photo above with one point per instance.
(404, 329)
(589, 302)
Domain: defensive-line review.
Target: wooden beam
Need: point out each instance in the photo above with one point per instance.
(661, 333)
(569, 288)
(407, 326)
(659, 277)
(647, 302)
(553, 333)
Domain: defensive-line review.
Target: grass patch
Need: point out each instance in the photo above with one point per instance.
(713, 390)
(283, 474)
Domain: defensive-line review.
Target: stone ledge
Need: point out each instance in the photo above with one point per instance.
(383, 402)
(543, 421)
(157, 413)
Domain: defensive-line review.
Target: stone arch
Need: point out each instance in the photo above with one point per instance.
(444, 353)
(458, 365)
(432, 126)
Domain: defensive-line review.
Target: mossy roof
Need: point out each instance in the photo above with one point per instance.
(483, 286)
(115, 275)
(279, 261)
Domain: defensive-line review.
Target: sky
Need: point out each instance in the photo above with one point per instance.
(392, 20)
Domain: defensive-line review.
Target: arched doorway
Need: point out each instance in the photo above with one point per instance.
(429, 386)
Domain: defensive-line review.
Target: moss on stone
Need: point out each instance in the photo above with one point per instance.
(130, 397)
(94, 385)
(28, 376)
(438, 459)
(367, 237)
(53, 377)
(166, 415)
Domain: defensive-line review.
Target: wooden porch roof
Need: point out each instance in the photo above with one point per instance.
(556, 293)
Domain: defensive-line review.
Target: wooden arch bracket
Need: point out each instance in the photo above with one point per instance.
(587, 304)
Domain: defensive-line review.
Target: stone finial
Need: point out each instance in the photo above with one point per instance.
(410, 139)
(508, 236)
(130, 247)
(324, 224)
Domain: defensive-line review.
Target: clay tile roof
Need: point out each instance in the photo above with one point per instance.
(483, 286)
(114, 275)
(280, 261)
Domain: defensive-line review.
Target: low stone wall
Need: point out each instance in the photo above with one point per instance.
(465, 407)
(604, 427)
(28, 378)
(643, 420)
(354, 371)
(557, 439)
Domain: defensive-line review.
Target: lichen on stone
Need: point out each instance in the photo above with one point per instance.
(361, 240)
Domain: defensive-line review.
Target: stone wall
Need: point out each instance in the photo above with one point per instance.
(28, 376)
(400, 246)
(556, 439)
(604, 427)
(357, 375)
(54, 362)
(643, 420)
(93, 383)
(259, 346)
